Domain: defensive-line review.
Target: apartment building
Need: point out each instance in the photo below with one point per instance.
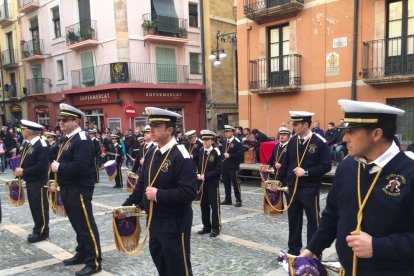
(306, 54)
(11, 69)
(112, 58)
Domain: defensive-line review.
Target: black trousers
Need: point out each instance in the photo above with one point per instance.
(230, 176)
(39, 206)
(78, 207)
(169, 245)
(96, 170)
(306, 199)
(210, 200)
(118, 178)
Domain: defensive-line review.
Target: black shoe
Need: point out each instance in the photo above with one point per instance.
(214, 233)
(33, 238)
(115, 187)
(75, 260)
(280, 259)
(238, 204)
(226, 203)
(88, 270)
(203, 231)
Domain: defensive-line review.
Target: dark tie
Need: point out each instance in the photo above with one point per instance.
(301, 141)
(368, 167)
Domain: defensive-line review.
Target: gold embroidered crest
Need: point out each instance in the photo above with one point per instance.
(165, 165)
(66, 147)
(211, 158)
(394, 184)
(30, 151)
(312, 148)
(231, 145)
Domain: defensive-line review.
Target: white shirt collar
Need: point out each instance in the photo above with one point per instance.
(231, 139)
(167, 146)
(34, 140)
(116, 144)
(383, 160)
(307, 136)
(209, 149)
(77, 130)
(284, 144)
(147, 145)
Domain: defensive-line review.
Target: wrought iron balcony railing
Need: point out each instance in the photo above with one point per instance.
(38, 86)
(388, 60)
(277, 74)
(32, 48)
(164, 26)
(11, 90)
(81, 31)
(268, 10)
(8, 58)
(130, 72)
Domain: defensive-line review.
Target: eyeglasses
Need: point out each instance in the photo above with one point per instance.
(64, 120)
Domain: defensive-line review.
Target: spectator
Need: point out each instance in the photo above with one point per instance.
(10, 143)
(260, 138)
(316, 128)
(129, 145)
(340, 146)
(331, 138)
(239, 133)
(2, 156)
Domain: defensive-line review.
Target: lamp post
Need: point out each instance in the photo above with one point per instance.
(218, 54)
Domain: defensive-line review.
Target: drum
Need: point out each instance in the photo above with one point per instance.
(14, 162)
(55, 199)
(298, 266)
(15, 192)
(250, 157)
(132, 180)
(110, 168)
(272, 201)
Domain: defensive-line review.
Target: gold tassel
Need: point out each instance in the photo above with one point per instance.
(129, 243)
(20, 198)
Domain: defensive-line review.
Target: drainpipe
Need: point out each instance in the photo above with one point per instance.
(355, 52)
(203, 61)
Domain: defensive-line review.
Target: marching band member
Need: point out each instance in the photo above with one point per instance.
(115, 153)
(143, 149)
(209, 170)
(193, 145)
(232, 151)
(75, 168)
(53, 145)
(306, 161)
(33, 169)
(370, 208)
(280, 149)
(168, 183)
(98, 152)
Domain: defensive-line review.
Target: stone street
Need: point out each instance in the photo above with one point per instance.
(248, 245)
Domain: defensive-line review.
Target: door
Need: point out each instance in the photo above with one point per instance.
(10, 50)
(34, 28)
(400, 37)
(278, 64)
(166, 65)
(84, 16)
(37, 78)
(88, 74)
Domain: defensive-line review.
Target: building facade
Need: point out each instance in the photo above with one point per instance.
(302, 55)
(112, 58)
(12, 74)
(221, 82)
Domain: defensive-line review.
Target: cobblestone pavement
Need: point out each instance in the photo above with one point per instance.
(248, 244)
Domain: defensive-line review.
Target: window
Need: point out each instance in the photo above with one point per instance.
(405, 126)
(60, 70)
(43, 119)
(140, 122)
(56, 21)
(193, 15)
(88, 75)
(166, 65)
(400, 37)
(114, 123)
(278, 56)
(195, 63)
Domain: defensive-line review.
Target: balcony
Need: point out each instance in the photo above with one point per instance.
(6, 14)
(38, 86)
(275, 75)
(27, 6)
(9, 59)
(81, 35)
(11, 90)
(389, 60)
(130, 72)
(164, 29)
(33, 51)
(262, 11)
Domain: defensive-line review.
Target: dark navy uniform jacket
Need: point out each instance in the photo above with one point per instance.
(176, 183)
(143, 151)
(278, 152)
(213, 168)
(116, 150)
(77, 162)
(194, 149)
(388, 216)
(235, 151)
(36, 164)
(316, 161)
(53, 151)
(97, 147)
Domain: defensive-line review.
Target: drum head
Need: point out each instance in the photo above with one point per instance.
(109, 163)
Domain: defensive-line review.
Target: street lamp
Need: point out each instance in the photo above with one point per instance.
(218, 55)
